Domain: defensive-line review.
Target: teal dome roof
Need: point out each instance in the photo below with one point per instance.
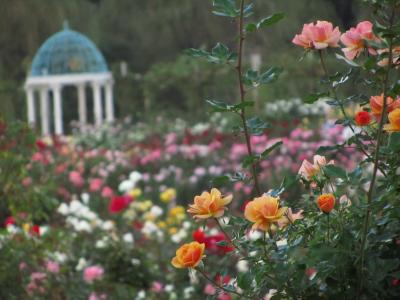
(68, 52)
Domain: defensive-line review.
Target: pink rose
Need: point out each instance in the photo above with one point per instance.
(94, 296)
(76, 179)
(93, 273)
(354, 40)
(95, 184)
(157, 287)
(318, 36)
(209, 289)
(107, 192)
(52, 267)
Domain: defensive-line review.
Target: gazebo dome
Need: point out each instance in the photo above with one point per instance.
(69, 58)
(68, 52)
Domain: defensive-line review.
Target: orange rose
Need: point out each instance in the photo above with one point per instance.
(264, 211)
(188, 255)
(326, 202)
(209, 205)
(376, 103)
(394, 121)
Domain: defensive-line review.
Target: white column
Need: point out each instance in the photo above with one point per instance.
(44, 110)
(98, 110)
(82, 104)
(109, 102)
(30, 98)
(58, 115)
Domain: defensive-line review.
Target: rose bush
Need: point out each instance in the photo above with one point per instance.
(284, 213)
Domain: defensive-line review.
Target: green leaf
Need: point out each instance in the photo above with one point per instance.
(196, 52)
(349, 62)
(324, 149)
(335, 171)
(270, 20)
(394, 141)
(249, 160)
(253, 78)
(224, 179)
(219, 106)
(244, 280)
(267, 151)
(314, 97)
(225, 8)
(220, 51)
(270, 75)
(251, 27)
(256, 125)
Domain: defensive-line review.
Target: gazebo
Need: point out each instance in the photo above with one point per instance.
(68, 58)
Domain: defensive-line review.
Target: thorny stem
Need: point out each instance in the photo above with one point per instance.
(359, 143)
(220, 286)
(242, 95)
(229, 238)
(376, 160)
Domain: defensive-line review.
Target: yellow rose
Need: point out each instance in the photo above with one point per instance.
(135, 193)
(168, 195)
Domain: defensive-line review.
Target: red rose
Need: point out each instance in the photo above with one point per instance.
(362, 118)
(9, 221)
(41, 145)
(35, 230)
(212, 244)
(199, 236)
(119, 203)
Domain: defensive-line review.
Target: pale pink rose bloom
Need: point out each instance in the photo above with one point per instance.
(307, 170)
(157, 287)
(95, 184)
(311, 272)
(320, 161)
(22, 266)
(52, 267)
(345, 201)
(354, 40)
(318, 36)
(76, 179)
(38, 276)
(270, 294)
(209, 289)
(27, 181)
(107, 192)
(94, 296)
(93, 273)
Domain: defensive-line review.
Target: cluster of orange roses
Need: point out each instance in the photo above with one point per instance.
(363, 118)
(265, 212)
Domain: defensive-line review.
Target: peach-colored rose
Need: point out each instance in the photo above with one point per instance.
(326, 202)
(264, 211)
(318, 36)
(354, 39)
(395, 57)
(209, 205)
(189, 255)
(394, 121)
(290, 218)
(376, 104)
(308, 170)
